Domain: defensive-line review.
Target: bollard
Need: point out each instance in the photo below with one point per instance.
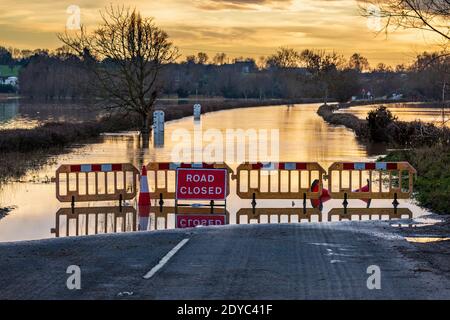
(158, 121)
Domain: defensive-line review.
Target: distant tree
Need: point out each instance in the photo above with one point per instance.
(220, 58)
(382, 67)
(191, 59)
(430, 76)
(400, 68)
(358, 62)
(284, 58)
(345, 84)
(202, 58)
(262, 62)
(323, 67)
(126, 54)
(5, 56)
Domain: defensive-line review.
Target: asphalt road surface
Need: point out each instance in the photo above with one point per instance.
(301, 261)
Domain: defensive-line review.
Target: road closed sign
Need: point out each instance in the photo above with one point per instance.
(201, 184)
(191, 221)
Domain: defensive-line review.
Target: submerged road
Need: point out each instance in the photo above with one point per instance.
(309, 261)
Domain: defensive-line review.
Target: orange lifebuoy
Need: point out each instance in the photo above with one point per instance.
(324, 196)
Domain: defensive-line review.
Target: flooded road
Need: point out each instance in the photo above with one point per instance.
(303, 137)
(405, 112)
(15, 113)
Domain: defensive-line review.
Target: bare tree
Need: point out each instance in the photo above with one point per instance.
(358, 62)
(220, 58)
(323, 67)
(125, 54)
(202, 58)
(284, 58)
(430, 15)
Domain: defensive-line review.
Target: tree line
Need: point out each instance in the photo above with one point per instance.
(286, 74)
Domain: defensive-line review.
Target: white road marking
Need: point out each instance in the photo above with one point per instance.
(165, 259)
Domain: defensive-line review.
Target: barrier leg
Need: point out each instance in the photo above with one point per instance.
(161, 202)
(254, 203)
(345, 203)
(304, 203)
(395, 203)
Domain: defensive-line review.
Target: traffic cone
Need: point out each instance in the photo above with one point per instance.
(144, 201)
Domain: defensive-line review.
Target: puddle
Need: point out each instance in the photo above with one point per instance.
(426, 239)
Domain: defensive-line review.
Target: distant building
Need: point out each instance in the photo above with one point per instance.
(13, 81)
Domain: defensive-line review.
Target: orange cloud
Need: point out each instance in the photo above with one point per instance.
(241, 4)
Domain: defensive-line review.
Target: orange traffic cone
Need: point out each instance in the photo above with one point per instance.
(144, 201)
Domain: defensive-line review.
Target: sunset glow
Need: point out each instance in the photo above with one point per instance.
(249, 28)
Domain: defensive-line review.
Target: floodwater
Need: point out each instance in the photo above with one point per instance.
(303, 137)
(15, 113)
(406, 112)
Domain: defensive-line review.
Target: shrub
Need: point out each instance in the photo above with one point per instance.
(378, 121)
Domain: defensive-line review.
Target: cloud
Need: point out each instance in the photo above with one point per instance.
(237, 27)
(241, 4)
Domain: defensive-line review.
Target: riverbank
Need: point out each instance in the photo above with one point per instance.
(23, 149)
(6, 96)
(423, 145)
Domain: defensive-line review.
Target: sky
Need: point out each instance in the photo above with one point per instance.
(248, 28)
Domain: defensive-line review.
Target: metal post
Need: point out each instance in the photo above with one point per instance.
(211, 204)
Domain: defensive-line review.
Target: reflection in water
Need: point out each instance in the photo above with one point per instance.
(340, 214)
(162, 218)
(101, 220)
(28, 114)
(304, 137)
(94, 220)
(426, 239)
(404, 112)
(278, 215)
(158, 139)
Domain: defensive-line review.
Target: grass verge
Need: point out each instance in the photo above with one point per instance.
(432, 186)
